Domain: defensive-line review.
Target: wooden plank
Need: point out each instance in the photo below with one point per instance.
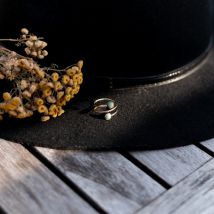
(195, 194)
(209, 144)
(111, 180)
(174, 164)
(27, 186)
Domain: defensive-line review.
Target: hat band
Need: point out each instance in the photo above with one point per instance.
(168, 77)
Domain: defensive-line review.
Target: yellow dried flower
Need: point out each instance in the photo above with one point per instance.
(53, 110)
(6, 96)
(40, 73)
(16, 101)
(76, 89)
(39, 101)
(20, 109)
(80, 80)
(71, 72)
(61, 102)
(9, 107)
(35, 89)
(55, 76)
(68, 97)
(42, 109)
(58, 86)
(43, 83)
(68, 90)
(75, 78)
(60, 95)
(60, 111)
(47, 92)
(65, 79)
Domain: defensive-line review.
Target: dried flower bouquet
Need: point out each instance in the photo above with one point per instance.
(35, 89)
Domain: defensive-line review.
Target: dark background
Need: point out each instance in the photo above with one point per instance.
(131, 38)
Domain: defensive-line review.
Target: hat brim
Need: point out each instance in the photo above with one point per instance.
(149, 117)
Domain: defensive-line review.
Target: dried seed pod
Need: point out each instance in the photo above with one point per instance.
(29, 43)
(33, 88)
(38, 43)
(24, 31)
(33, 38)
(33, 54)
(26, 94)
(45, 118)
(44, 53)
(23, 36)
(23, 84)
(27, 51)
(80, 64)
(44, 44)
(41, 56)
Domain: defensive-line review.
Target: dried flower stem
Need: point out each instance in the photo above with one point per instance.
(17, 40)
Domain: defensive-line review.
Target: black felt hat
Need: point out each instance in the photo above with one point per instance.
(154, 58)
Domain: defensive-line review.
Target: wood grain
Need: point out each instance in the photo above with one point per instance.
(195, 194)
(27, 186)
(172, 165)
(111, 180)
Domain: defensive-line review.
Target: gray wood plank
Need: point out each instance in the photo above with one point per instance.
(174, 164)
(209, 144)
(111, 180)
(27, 186)
(194, 194)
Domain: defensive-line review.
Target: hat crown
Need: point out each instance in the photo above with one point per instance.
(128, 39)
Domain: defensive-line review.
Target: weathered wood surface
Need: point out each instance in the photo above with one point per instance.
(172, 165)
(209, 144)
(111, 180)
(195, 194)
(27, 186)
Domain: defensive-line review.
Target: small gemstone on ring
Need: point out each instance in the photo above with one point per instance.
(108, 116)
(110, 104)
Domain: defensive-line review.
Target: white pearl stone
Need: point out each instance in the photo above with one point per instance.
(110, 104)
(108, 116)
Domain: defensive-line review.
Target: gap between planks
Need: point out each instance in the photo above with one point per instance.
(27, 186)
(195, 194)
(170, 166)
(167, 153)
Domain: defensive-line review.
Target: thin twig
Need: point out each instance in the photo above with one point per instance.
(18, 40)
